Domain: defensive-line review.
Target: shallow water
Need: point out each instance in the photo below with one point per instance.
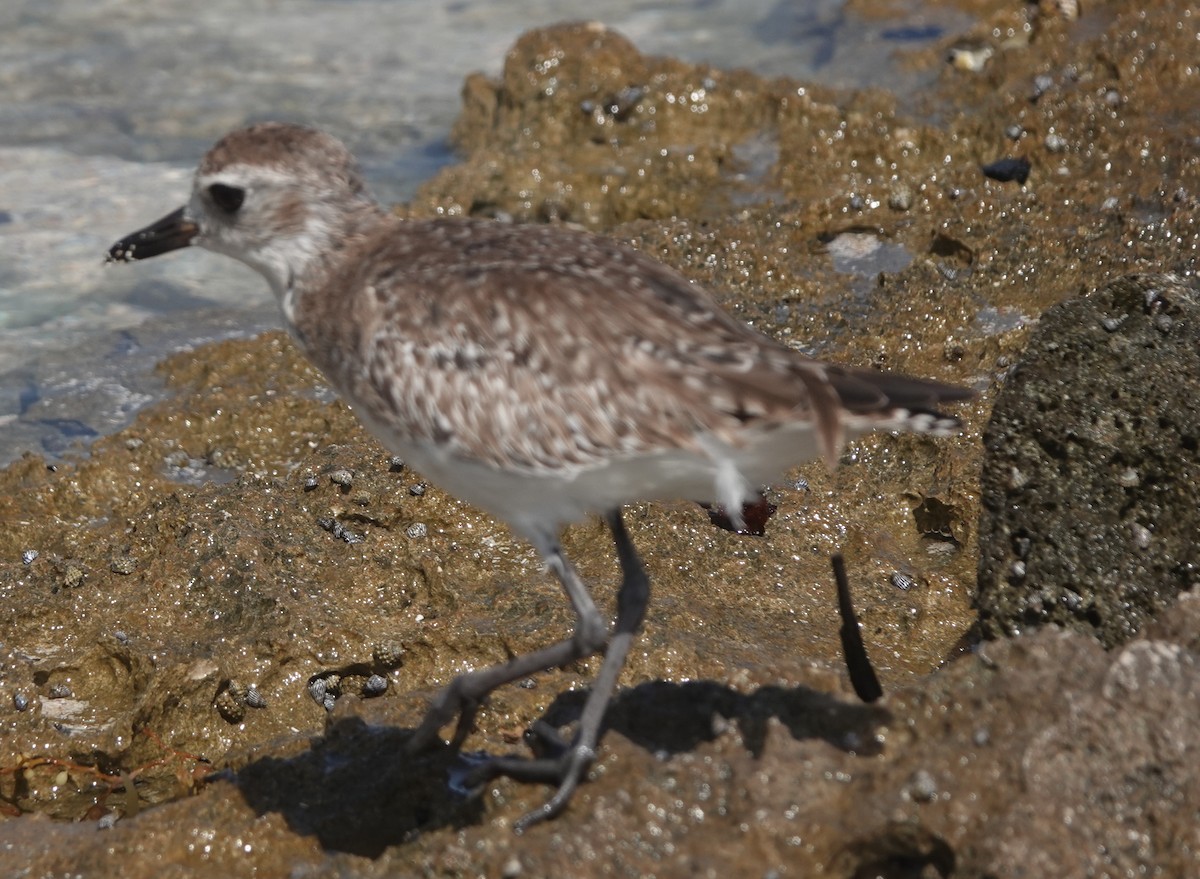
(106, 106)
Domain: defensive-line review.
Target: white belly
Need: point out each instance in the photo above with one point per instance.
(537, 504)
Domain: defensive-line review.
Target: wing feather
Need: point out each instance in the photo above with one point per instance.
(536, 347)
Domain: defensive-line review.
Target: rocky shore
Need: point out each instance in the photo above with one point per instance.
(222, 621)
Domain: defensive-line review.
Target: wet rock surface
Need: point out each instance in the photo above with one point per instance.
(1090, 462)
(179, 599)
(973, 772)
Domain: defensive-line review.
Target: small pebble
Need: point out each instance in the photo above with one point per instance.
(1153, 297)
(107, 820)
(389, 654)
(1141, 536)
(970, 58)
(1014, 132)
(230, 705)
(1009, 169)
(1067, 10)
(1055, 143)
(922, 788)
(123, 565)
(900, 198)
(178, 460)
(1042, 83)
(317, 688)
(340, 531)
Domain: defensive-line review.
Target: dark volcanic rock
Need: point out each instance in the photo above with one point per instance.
(1091, 460)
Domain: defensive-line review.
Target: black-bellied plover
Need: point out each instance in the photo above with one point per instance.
(539, 373)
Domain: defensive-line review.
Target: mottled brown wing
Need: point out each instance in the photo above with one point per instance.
(535, 347)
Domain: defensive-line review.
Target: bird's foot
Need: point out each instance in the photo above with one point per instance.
(566, 769)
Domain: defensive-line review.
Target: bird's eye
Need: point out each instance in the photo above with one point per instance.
(227, 198)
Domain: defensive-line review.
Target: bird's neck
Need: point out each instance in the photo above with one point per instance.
(308, 258)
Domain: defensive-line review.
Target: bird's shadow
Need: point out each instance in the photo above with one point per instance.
(669, 718)
(357, 791)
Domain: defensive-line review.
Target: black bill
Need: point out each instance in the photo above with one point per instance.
(170, 233)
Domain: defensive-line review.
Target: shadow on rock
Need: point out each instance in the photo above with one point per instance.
(356, 791)
(670, 718)
(898, 851)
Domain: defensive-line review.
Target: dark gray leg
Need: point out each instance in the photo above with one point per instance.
(569, 769)
(465, 693)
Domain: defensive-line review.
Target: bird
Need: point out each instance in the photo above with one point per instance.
(541, 373)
